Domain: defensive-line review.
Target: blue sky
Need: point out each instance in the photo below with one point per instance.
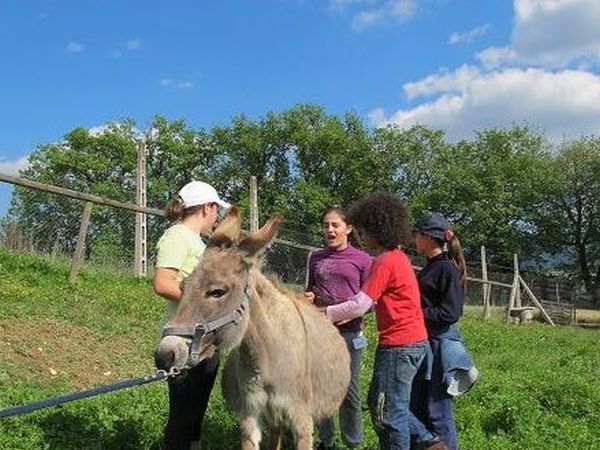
(453, 64)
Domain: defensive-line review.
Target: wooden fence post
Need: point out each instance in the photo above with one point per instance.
(517, 303)
(486, 288)
(253, 204)
(515, 290)
(79, 249)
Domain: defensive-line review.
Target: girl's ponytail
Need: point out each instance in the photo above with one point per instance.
(174, 209)
(455, 252)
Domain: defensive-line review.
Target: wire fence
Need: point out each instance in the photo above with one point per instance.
(48, 224)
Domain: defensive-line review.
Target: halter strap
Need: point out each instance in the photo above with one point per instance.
(203, 328)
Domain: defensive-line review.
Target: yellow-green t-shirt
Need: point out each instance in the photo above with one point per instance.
(179, 248)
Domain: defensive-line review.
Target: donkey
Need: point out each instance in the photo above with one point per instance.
(288, 366)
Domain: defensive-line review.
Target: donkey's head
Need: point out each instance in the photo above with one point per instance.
(213, 311)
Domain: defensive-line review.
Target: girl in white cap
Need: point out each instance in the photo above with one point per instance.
(179, 251)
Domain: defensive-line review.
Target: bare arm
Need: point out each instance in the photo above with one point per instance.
(166, 283)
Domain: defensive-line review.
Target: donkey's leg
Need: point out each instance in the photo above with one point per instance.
(251, 434)
(275, 434)
(302, 427)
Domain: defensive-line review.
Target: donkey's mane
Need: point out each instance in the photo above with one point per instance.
(279, 285)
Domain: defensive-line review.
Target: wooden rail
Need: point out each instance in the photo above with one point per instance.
(78, 195)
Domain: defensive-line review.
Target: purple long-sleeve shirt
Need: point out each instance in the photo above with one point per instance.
(335, 276)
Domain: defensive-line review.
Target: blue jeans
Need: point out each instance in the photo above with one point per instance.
(433, 405)
(389, 394)
(350, 414)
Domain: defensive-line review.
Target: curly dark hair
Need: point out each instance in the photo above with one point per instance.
(383, 216)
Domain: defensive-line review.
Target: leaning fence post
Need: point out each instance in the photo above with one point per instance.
(78, 255)
(486, 288)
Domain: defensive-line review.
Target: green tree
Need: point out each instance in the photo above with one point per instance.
(100, 162)
(571, 218)
(492, 188)
(253, 148)
(334, 161)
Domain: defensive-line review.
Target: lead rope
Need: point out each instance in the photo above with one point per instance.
(55, 401)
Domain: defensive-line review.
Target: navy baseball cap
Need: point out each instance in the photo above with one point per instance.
(436, 226)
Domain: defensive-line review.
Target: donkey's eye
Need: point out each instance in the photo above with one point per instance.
(217, 293)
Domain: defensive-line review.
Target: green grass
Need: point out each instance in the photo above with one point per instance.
(538, 388)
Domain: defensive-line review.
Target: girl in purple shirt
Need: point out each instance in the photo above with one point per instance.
(335, 274)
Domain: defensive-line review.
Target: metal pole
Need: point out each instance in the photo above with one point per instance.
(253, 204)
(140, 268)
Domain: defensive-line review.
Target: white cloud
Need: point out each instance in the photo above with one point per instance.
(550, 33)
(133, 44)
(467, 37)
(367, 13)
(365, 19)
(129, 46)
(339, 4)
(182, 84)
(74, 47)
(563, 103)
(546, 76)
(13, 167)
(185, 85)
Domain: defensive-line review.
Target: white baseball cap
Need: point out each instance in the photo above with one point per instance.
(199, 193)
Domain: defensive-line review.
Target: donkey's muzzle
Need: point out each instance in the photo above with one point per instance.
(172, 351)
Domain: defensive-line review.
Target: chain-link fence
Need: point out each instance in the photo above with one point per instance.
(48, 224)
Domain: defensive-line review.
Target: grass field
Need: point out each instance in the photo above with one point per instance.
(538, 388)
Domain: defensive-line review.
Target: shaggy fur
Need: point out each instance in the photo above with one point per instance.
(288, 365)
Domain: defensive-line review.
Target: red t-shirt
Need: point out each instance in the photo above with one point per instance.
(392, 284)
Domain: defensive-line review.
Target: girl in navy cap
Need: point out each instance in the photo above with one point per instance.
(442, 284)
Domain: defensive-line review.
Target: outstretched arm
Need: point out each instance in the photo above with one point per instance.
(354, 307)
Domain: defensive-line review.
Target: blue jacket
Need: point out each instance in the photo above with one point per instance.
(457, 367)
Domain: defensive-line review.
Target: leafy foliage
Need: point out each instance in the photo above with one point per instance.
(508, 189)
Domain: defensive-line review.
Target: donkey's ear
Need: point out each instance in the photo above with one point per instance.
(255, 242)
(228, 231)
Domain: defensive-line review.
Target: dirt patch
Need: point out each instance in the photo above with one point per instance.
(45, 349)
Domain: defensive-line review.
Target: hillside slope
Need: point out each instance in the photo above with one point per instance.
(538, 388)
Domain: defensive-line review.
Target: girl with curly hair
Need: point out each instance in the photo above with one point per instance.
(392, 291)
